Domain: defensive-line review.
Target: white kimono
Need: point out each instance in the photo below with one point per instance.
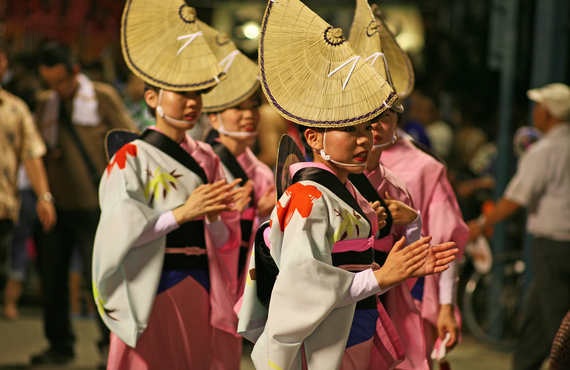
(303, 312)
(141, 183)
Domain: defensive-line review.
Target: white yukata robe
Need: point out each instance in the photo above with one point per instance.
(140, 184)
(308, 220)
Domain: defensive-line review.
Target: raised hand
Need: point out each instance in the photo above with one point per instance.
(415, 260)
(402, 214)
(206, 200)
(380, 213)
(241, 196)
(267, 202)
(437, 260)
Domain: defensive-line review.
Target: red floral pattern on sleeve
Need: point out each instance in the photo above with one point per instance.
(301, 199)
(121, 157)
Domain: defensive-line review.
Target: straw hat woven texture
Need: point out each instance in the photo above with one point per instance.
(366, 41)
(364, 37)
(242, 73)
(311, 75)
(401, 69)
(163, 45)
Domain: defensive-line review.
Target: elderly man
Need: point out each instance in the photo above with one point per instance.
(542, 185)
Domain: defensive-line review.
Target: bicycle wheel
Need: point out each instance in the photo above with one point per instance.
(491, 302)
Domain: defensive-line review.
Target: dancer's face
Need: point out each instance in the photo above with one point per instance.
(183, 106)
(350, 145)
(242, 118)
(384, 126)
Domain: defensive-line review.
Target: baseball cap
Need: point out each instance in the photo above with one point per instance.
(554, 97)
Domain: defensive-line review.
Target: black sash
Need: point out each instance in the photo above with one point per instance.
(359, 258)
(189, 234)
(333, 183)
(173, 149)
(361, 182)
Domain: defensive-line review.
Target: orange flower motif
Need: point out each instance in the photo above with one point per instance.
(121, 157)
(302, 198)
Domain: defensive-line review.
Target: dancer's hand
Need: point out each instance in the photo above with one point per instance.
(380, 213)
(267, 202)
(402, 214)
(446, 324)
(206, 199)
(241, 196)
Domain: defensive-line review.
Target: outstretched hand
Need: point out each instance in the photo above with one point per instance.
(415, 260)
(437, 260)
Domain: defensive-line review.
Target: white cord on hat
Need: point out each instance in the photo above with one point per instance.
(375, 56)
(328, 158)
(161, 113)
(223, 131)
(228, 60)
(191, 37)
(355, 58)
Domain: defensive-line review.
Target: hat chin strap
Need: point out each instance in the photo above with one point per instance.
(328, 158)
(223, 131)
(394, 138)
(168, 119)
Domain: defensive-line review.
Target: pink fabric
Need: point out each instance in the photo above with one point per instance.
(426, 179)
(223, 263)
(407, 320)
(263, 179)
(388, 349)
(179, 336)
(357, 357)
(399, 302)
(357, 245)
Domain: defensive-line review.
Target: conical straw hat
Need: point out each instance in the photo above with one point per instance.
(162, 44)
(242, 74)
(365, 37)
(400, 65)
(311, 75)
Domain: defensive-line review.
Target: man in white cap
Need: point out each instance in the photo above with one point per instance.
(542, 184)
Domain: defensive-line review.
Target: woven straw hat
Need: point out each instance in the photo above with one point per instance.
(372, 39)
(163, 45)
(242, 73)
(311, 75)
(400, 65)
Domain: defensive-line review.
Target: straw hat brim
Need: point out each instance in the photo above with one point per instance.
(311, 75)
(161, 44)
(242, 74)
(401, 69)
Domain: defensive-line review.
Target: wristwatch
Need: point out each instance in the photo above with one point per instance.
(46, 197)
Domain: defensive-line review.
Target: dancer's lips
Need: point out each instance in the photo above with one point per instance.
(361, 157)
(249, 128)
(377, 139)
(190, 117)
